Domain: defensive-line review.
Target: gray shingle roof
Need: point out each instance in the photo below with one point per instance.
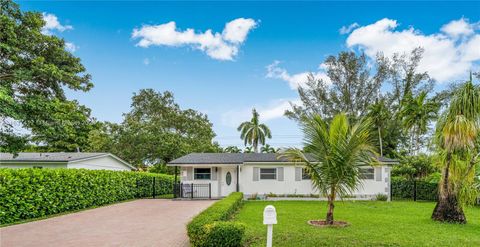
(47, 157)
(236, 158)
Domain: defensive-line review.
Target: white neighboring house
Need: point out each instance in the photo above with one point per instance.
(91, 161)
(262, 174)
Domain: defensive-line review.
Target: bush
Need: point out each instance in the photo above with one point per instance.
(31, 193)
(381, 197)
(209, 227)
(403, 189)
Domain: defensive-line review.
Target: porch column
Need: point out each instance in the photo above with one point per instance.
(238, 180)
(175, 183)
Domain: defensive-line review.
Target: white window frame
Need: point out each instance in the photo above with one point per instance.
(195, 173)
(260, 173)
(362, 174)
(305, 173)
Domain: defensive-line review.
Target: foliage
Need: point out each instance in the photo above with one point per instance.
(248, 150)
(253, 132)
(373, 223)
(31, 193)
(339, 151)
(381, 197)
(156, 131)
(232, 149)
(32, 86)
(351, 91)
(457, 136)
(415, 167)
(268, 149)
(209, 227)
(404, 189)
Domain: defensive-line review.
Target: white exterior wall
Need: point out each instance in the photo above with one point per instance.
(101, 163)
(33, 164)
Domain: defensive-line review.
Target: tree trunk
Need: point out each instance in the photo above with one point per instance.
(380, 140)
(331, 206)
(255, 147)
(448, 209)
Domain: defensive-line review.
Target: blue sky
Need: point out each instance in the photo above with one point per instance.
(262, 59)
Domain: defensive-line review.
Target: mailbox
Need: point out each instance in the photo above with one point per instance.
(269, 215)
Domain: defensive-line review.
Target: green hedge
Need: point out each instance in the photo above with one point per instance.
(31, 193)
(210, 228)
(403, 189)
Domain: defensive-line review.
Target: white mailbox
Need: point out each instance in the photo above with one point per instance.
(269, 215)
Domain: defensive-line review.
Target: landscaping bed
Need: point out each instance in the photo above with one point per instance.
(371, 223)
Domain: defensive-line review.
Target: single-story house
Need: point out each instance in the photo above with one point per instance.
(218, 174)
(91, 161)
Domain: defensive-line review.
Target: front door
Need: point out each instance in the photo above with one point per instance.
(228, 181)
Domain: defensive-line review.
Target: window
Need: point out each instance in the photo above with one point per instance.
(305, 174)
(367, 173)
(202, 173)
(268, 173)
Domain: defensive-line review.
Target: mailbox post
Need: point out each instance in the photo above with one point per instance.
(269, 219)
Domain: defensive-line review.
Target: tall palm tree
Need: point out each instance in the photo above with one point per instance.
(379, 114)
(336, 154)
(457, 137)
(253, 132)
(417, 113)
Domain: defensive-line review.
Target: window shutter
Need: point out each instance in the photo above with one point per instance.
(189, 173)
(378, 173)
(280, 173)
(298, 174)
(214, 173)
(255, 173)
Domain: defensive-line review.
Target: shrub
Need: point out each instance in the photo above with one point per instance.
(31, 193)
(209, 229)
(403, 189)
(381, 197)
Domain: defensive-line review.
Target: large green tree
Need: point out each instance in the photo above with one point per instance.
(457, 137)
(334, 154)
(34, 71)
(156, 131)
(253, 132)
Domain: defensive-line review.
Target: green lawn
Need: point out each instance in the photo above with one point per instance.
(372, 224)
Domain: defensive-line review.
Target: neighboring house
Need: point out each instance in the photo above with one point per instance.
(216, 175)
(91, 161)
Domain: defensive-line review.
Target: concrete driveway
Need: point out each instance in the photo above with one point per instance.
(145, 222)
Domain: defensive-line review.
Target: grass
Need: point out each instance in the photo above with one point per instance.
(372, 224)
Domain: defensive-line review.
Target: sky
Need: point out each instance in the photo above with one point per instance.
(225, 58)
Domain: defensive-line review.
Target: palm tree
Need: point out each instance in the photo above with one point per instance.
(379, 115)
(416, 113)
(248, 150)
(253, 132)
(232, 149)
(457, 137)
(268, 149)
(336, 155)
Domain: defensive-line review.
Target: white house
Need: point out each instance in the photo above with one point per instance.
(219, 174)
(91, 161)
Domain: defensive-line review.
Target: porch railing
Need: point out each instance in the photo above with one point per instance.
(191, 190)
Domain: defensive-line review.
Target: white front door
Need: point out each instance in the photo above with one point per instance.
(228, 181)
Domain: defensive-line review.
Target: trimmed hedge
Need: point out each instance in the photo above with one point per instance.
(210, 227)
(403, 189)
(31, 193)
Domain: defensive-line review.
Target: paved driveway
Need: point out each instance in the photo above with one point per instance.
(146, 222)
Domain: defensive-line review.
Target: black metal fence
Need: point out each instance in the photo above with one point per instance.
(190, 190)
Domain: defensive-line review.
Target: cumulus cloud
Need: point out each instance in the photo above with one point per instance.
(52, 24)
(348, 29)
(294, 80)
(220, 46)
(446, 57)
(273, 110)
(70, 46)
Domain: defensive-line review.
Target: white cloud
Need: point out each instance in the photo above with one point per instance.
(274, 110)
(52, 24)
(70, 46)
(348, 29)
(221, 46)
(295, 80)
(445, 58)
